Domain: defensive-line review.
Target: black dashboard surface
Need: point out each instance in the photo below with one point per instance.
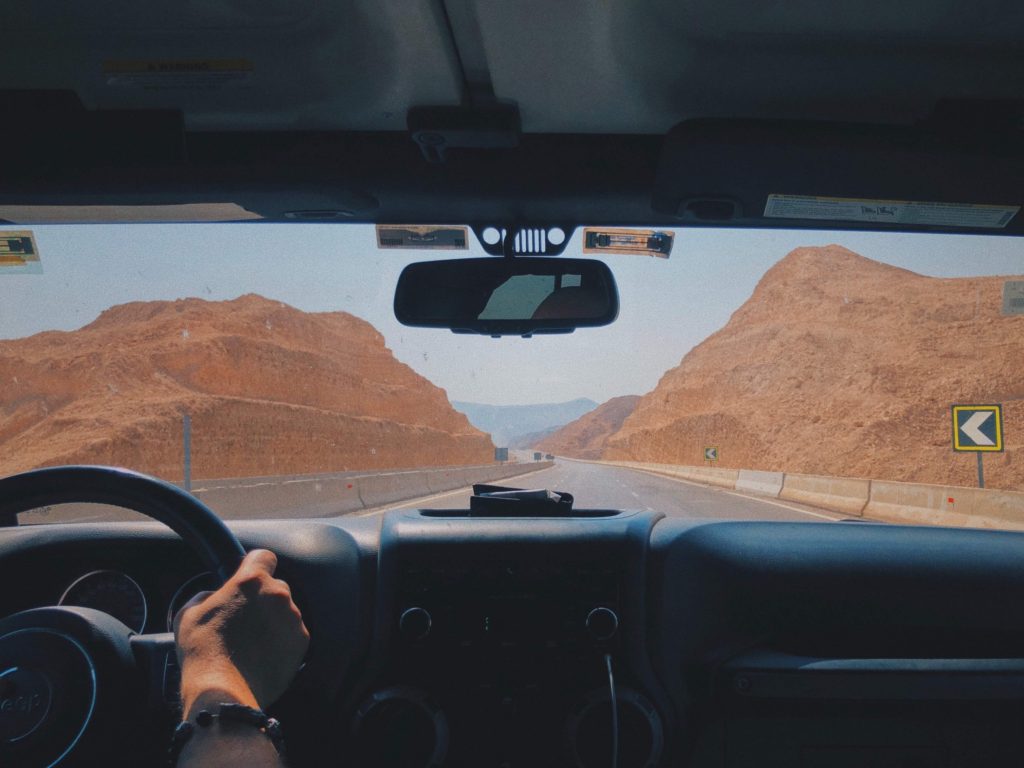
(460, 641)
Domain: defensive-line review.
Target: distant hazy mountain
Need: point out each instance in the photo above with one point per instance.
(531, 439)
(506, 423)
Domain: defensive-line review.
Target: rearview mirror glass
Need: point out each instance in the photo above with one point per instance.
(507, 296)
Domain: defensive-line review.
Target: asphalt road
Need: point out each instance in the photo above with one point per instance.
(603, 486)
(592, 485)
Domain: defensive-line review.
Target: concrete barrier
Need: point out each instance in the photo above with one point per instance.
(756, 481)
(312, 497)
(838, 494)
(441, 480)
(945, 505)
(387, 488)
(722, 478)
(890, 501)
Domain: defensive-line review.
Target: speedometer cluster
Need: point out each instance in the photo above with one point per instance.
(112, 592)
(118, 594)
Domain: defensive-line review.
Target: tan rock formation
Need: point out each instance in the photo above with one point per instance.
(586, 437)
(271, 390)
(841, 365)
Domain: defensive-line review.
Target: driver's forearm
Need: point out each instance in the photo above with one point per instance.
(225, 744)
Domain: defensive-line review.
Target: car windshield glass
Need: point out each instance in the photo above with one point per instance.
(755, 374)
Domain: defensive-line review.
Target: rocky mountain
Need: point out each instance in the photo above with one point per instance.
(841, 365)
(270, 389)
(587, 437)
(507, 423)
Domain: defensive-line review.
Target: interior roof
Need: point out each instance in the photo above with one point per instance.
(572, 66)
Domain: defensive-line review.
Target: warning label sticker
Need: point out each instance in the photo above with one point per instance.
(178, 74)
(889, 211)
(1013, 297)
(18, 253)
(422, 237)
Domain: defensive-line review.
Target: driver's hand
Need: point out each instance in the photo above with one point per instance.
(244, 642)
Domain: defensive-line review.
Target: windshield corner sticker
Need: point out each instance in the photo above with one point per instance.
(422, 237)
(640, 242)
(867, 211)
(18, 253)
(177, 74)
(978, 428)
(1013, 297)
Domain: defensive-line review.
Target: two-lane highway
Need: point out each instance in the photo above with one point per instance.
(592, 485)
(609, 487)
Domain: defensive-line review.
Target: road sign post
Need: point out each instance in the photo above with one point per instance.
(711, 453)
(978, 429)
(187, 440)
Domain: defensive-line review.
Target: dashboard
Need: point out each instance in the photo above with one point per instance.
(440, 639)
(120, 581)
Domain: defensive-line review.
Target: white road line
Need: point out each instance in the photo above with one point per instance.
(784, 506)
(734, 493)
(436, 496)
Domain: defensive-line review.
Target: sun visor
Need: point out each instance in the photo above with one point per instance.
(752, 173)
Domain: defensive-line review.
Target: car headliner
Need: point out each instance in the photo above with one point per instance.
(294, 108)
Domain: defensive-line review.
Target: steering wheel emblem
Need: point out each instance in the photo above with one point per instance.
(25, 697)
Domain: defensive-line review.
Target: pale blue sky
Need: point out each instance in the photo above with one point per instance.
(667, 306)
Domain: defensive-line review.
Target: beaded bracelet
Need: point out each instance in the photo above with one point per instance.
(238, 713)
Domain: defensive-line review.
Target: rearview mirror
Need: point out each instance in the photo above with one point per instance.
(507, 296)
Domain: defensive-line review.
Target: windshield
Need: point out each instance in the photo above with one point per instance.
(790, 375)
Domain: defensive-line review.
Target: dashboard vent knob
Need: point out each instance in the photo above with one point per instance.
(602, 623)
(414, 623)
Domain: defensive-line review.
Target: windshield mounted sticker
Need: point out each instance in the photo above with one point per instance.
(868, 211)
(419, 237)
(19, 254)
(1013, 297)
(641, 242)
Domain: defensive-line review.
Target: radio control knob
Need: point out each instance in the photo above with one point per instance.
(414, 623)
(602, 623)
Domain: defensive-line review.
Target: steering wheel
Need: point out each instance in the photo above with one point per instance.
(75, 682)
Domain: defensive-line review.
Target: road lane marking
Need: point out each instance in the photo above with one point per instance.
(785, 506)
(436, 496)
(732, 493)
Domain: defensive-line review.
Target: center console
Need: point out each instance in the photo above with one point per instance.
(494, 649)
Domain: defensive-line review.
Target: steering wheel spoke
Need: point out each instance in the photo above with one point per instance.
(158, 672)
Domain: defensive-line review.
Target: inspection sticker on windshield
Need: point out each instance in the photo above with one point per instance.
(19, 254)
(422, 237)
(642, 242)
(178, 74)
(889, 211)
(1013, 297)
